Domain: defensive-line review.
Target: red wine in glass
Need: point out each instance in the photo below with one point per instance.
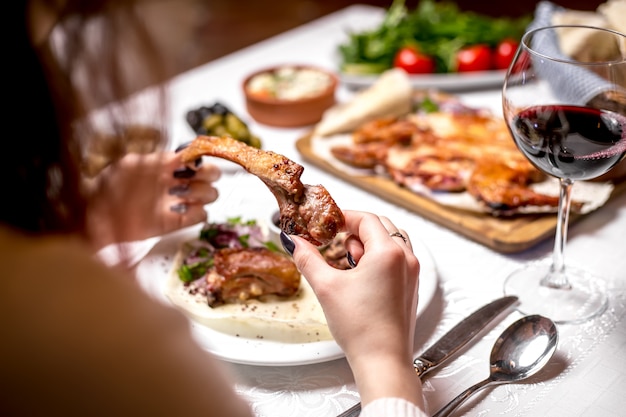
(567, 115)
(573, 142)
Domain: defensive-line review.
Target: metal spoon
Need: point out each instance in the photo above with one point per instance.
(520, 351)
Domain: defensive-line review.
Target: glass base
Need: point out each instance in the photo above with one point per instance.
(583, 299)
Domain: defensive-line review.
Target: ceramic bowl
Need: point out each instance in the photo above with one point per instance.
(289, 95)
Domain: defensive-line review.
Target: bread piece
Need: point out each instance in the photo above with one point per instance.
(578, 43)
(614, 11)
(389, 96)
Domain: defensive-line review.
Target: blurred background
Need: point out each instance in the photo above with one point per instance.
(234, 24)
(193, 32)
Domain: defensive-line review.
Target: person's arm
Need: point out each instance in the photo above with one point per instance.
(82, 340)
(371, 309)
(142, 196)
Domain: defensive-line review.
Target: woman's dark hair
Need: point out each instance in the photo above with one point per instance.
(40, 172)
(36, 176)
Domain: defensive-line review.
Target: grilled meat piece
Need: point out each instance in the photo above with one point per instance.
(363, 155)
(240, 274)
(448, 152)
(305, 210)
(373, 140)
(336, 254)
(503, 187)
(389, 130)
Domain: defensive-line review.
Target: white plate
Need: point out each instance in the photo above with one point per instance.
(447, 82)
(153, 272)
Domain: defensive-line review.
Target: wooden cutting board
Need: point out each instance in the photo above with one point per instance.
(505, 235)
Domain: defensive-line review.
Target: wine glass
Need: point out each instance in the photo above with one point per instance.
(566, 112)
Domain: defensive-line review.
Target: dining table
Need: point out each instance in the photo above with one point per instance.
(585, 377)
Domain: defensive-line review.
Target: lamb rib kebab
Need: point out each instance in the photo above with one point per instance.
(305, 210)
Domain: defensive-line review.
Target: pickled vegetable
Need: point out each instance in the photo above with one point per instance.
(218, 120)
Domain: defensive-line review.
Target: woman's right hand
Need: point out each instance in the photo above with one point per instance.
(370, 309)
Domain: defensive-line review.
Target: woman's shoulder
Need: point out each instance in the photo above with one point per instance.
(45, 260)
(56, 284)
(63, 312)
(37, 271)
(61, 275)
(15, 244)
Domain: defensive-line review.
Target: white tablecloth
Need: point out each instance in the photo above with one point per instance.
(587, 376)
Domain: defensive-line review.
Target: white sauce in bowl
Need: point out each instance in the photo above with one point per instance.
(289, 83)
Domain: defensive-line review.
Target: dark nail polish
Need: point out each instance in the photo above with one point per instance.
(351, 261)
(184, 173)
(182, 146)
(180, 189)
(288, 244)
(179, 208)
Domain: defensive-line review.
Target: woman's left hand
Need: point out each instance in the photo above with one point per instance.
(146, 195)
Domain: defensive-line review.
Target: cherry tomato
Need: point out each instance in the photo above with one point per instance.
(413, 61)
(504, 53)
(474, 58)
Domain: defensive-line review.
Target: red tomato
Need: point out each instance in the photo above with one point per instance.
(413, 61)
(504, 53)
(474, 58)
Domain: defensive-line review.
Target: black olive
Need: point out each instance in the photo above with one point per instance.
(206, 111)
(219, 108)
(194, 119)
(218, 120)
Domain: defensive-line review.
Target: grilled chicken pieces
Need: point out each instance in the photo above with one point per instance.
(448, 152)
(307, 211)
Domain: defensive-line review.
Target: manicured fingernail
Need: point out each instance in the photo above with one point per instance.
(351, 261)
(184, 173)
(180, 208)
(288, 244)
(180, 189)
(182, 146)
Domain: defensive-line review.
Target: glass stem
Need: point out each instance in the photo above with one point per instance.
(557, 277)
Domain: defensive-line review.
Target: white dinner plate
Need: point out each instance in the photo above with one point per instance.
(447, 82)
(153, 272)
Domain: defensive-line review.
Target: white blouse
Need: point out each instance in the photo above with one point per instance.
(392, 407)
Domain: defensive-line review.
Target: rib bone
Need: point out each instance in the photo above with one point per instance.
(305, 210)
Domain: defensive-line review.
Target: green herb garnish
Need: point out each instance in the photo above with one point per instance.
(428, 105)
(438, 29)
(271, 246)
(192, 272)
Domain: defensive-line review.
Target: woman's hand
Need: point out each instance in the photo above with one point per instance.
(141, 196)
(371, 309)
